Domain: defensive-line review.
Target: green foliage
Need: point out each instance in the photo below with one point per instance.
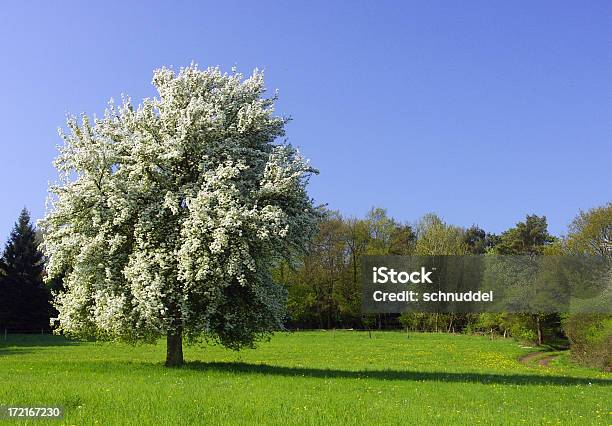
(591, 338)
(433, 322)
(528, 237)
(591, 232)
(325, 289)
(21, 258)
(494, 323)
(437, 238)
(414, 321)
(24, 300)
(478, 241)
(591, 335)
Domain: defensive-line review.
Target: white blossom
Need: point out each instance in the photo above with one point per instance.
(171, 214)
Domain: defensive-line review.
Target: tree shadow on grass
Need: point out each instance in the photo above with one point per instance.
(415, 376)
(33, 340)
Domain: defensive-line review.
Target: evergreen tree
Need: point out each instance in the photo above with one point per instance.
(24, 300)
(21, 255)
(526, 238)
(478, 241)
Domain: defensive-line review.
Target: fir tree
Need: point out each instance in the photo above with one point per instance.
(24, 300)
(21, 257)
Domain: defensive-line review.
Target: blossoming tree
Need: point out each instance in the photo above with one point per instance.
(168, 217)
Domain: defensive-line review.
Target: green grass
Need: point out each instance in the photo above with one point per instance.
(305, 378)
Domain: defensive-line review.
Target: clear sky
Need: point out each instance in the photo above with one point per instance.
(479, 111)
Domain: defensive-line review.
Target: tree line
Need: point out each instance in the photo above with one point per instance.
(325, 288)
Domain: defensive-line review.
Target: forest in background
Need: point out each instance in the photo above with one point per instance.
(325, 289)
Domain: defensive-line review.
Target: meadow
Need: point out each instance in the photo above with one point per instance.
(319, 377)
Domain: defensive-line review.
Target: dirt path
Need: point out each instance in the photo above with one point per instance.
(547, 359)
(526, 359)
(543, 360)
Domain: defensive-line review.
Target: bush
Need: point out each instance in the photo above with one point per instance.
(591, 339)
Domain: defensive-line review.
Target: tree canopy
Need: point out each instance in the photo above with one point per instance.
(591, 232)
(169, 216)
(529, 237)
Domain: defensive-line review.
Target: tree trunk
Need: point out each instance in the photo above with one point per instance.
(539, 330)
(174, 349)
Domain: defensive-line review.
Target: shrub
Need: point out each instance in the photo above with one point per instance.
(591, 338)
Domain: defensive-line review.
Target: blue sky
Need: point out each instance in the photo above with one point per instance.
(479, 111)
